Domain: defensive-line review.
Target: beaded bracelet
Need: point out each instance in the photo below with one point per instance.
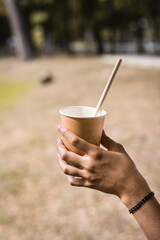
(145, 199)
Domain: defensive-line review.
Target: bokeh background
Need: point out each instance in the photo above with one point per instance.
(55, 53)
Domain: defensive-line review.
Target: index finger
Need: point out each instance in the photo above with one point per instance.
(75, 140)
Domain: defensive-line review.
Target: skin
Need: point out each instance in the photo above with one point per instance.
(112, 171)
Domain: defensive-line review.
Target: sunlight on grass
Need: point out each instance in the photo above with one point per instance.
(12, 91)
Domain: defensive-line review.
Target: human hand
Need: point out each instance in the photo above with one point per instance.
(110, 171)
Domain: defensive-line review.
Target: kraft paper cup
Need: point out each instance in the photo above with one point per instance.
(81, 121)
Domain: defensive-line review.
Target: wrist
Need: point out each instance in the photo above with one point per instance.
(135, 192)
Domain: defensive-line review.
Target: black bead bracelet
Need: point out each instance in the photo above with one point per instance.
(145, 199)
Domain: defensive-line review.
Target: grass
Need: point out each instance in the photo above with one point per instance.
(36, 200)
(6, 219)
(10, 92)
(12, 179)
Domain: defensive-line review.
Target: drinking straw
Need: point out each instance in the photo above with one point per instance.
(107, 87)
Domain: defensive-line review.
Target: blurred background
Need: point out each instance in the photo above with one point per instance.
(55, 53)
(45, 27)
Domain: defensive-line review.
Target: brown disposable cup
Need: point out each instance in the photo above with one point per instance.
(81, 121)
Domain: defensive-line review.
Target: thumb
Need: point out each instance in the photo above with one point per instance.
(110, 144)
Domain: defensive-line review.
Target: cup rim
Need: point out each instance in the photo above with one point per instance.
(69, 115)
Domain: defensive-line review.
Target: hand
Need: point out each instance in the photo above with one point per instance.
(110, 171)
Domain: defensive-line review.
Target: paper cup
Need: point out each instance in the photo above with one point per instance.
(81, 121)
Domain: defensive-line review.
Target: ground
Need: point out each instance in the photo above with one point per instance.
(36, 200)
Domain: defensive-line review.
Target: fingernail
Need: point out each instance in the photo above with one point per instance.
(58, 156)
(58, 140)
(60, 128)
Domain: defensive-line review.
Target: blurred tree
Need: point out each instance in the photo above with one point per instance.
(54, 24)
(20, 29)
(152, 15)
(92, 13)
(61, 16)
(4, 25)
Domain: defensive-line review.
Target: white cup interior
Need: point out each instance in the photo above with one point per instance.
(81, 112)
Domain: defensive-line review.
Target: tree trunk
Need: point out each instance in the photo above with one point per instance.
(88, 39)
(140, 48)
(48, 41)
(20, 29)
(66, 29)
(112, 43)
(99, 41)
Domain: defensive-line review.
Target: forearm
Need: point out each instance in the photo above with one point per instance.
(148, 215)
(111, 171)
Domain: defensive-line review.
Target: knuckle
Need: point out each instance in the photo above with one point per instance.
(71, 182)
(89, 167)
(90, 184)
(89, 177)
(64, 155)
(97, 155)
(75, 141)
(65, 170)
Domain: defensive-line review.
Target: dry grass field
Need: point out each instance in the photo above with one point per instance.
(36, 201)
